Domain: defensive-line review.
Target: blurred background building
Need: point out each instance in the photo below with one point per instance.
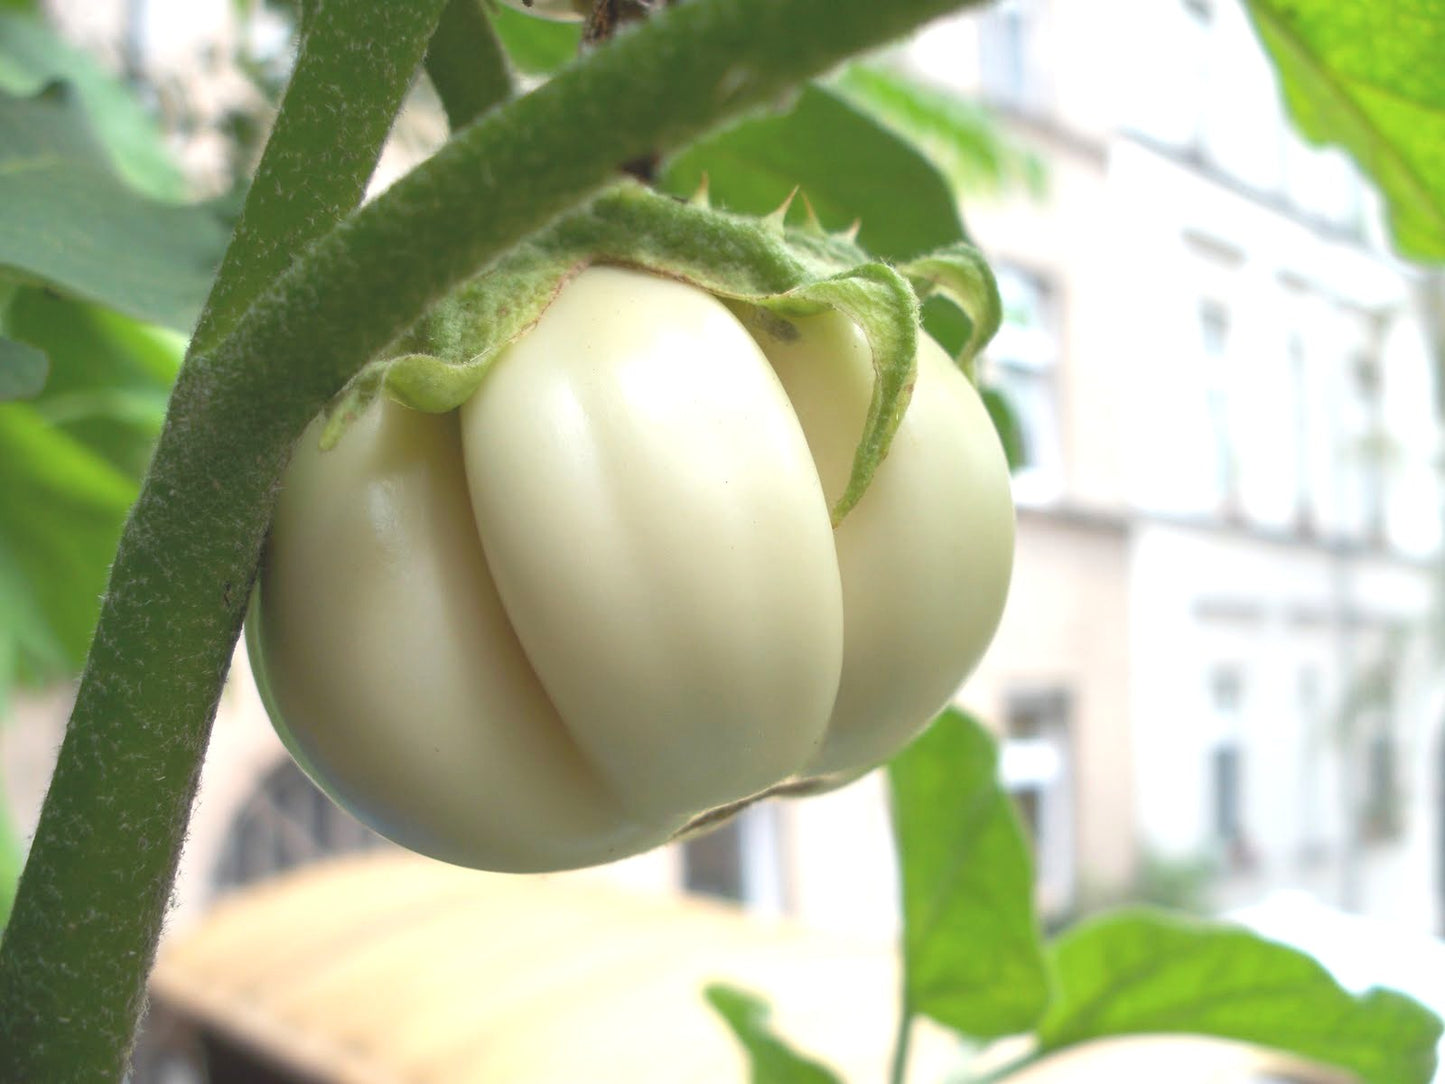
(1214, 677)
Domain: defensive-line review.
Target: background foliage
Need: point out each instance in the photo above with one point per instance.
(1367, 76)
(101, 274)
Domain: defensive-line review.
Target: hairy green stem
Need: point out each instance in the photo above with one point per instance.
(354, 65)
(110, 833)
(466, 64)
(90, 902)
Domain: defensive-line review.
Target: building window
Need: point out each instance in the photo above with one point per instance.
(1383, 815)
(1198, 35)
(1314, 738)
(1226, 765)
(1373, 694)
(1304, 510)
(1006, 42)
(1226, 695)
(1175, 68)
(1367, 387)
(1227, 778)
(1358, 442)
(712, 864)
(740, 860)
(286, 823)
(1214, 333)
(1035, 765)
(1023, 364)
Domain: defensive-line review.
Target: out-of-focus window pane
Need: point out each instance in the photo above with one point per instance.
(286, 823)
(1036, 766)
(1009, 67)
(712, 864)
(1227, 767)
(1214, 328)
(1226, 762)
(1304, 509)
(1023, 363)
(740, 860)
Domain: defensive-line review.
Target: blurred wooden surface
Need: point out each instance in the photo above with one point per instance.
(391, 969)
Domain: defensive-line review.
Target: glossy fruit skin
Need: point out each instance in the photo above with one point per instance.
(604, 597)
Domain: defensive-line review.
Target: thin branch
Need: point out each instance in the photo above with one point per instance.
(902, 1039)
(466, 63)
(354, 65)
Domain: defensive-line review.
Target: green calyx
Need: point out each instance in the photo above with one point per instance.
(768, 270)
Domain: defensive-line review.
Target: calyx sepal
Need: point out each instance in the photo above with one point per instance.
(780, 271)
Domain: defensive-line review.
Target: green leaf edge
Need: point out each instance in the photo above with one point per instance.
(748, 1016)
(921, 998)
(1362, 140)
(1054, 1037)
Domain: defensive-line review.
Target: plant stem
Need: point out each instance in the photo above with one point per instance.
(902, 1039)
(354, 65)
(91, 900)
(466, 63)
(1004, 1072)
(109, 837)
(602, 23)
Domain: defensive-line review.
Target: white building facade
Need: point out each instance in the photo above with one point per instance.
(1240, 387)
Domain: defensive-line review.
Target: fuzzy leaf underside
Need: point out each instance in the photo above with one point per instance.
(789, 273)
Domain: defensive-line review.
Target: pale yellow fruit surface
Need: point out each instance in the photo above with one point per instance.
(604, 596)
(925, 556)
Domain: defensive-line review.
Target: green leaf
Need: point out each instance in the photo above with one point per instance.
(1141, 972)
(66, 219)
(1367, 75)
(69, 467)
(32, 56)
(110, 375)
(850, 168)
(536, 46)
(22, 370)
(61, 510)
(961, 138)
(972, 954)
(773, 1061)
